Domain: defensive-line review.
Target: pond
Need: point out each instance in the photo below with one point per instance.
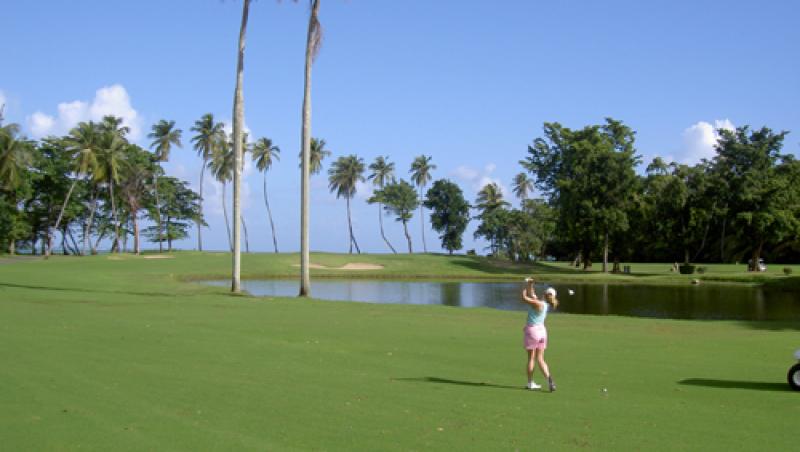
(705, 301)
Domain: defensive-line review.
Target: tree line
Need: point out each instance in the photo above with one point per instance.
(93, 184)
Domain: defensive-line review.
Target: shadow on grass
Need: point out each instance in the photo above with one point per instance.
(457, 382)
(736, 384)
(88, 290)
(773, 325)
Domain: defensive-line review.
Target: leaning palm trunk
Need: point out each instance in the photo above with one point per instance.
(58, 221)
(350, 227)
(246, 240)
(269, 214)
(380, 220)
(87, 231)
(238, 122)
(312, 41)
(408, 237)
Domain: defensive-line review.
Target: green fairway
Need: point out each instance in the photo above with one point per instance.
(127, 353)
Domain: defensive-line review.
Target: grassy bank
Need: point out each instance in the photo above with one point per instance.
(118, 353)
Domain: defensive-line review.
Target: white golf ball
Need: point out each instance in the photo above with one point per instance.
(570, 291)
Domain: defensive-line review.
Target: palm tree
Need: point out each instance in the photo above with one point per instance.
(205, 141)
(382, 172)
(133, 184)
(83, 147)
(264, 153)
(490, 197)
(343, 176)
(113, 124)
(522, 185)
(313, 41)
(221, 166)
(110, 158)
(15, 158)
(164, 136)
(238, 126)
(421, 174)
(318, 154)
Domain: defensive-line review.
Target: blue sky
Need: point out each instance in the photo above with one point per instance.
(467, 82)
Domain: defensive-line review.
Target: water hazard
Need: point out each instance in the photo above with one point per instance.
(676, 302)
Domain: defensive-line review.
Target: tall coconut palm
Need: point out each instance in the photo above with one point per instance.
(207, 136)
(83, 145)
(221, 167)
(421, 174)
(343, 176)
(382, 173)
(264, 154)
(521, 186)
(164, 136)
(313, 41)
(238, 128)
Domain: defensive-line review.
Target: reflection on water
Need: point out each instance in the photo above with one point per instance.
(678, 302)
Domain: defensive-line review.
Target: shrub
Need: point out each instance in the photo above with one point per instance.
(686, 269)
(701, 270)
(787, 271)
(471, 252)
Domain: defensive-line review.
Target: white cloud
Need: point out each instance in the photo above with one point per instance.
(477, 179)
(699, 140)
(2, 98)
(109, 100)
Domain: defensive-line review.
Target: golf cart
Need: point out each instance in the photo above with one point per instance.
(794, 373)
(761, 267)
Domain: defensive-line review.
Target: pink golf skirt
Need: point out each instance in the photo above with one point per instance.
(535, 337)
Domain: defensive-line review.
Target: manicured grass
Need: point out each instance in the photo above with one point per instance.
(107, 354)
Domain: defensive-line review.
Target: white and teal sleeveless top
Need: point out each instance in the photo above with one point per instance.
(536, 317)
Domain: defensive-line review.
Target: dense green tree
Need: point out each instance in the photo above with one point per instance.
(343, 176)
(164, 136)
(588, 175)
(449, 213)
(179, 206)
(400, 199)
(382, 172)
(265, 154)
(759, 184)
(16, 157)
(420, 171)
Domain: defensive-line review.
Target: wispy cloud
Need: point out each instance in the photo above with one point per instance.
(476, 179)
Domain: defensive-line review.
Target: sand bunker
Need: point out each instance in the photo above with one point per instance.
(159, 256)
(350, 266)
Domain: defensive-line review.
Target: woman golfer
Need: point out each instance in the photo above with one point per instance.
(536, 333)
